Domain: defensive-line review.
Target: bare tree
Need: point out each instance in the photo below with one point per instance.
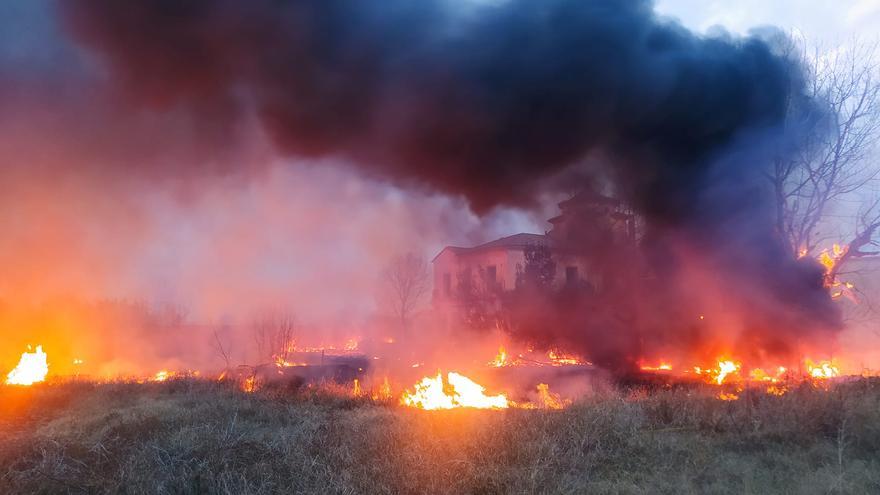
(221, 350)
(274, 333)
(864, 243)
(407, 282)
(833, 162)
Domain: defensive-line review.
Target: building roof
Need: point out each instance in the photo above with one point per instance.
(515, 241)
(589, 197)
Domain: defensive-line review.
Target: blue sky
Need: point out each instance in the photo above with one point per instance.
(828, 21)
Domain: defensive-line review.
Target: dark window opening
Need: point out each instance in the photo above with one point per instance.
(491, 275)
(447, 284)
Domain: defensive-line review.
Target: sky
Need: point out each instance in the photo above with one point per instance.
(827, 21)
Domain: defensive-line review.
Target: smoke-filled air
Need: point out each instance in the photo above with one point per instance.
(293, 246)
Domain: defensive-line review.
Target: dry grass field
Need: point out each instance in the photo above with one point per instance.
(191, 436)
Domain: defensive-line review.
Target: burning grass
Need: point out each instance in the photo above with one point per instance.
(192, 435)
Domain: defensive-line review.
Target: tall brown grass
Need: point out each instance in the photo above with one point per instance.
(191, 436)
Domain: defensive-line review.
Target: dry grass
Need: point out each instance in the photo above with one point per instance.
(197, 437)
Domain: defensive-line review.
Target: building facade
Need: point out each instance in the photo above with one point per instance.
(587, 224)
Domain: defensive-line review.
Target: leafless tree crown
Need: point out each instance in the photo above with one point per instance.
(274, 335)
(407, 281)
(835, 162)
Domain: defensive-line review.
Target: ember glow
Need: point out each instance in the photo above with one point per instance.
(454, 391)
(32, 368)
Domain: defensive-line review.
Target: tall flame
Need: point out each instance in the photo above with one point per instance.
(725, 368)
(830, 260)
(32, 368)
(500, 359)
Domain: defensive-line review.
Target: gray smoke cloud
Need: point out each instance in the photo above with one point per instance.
(489, 102)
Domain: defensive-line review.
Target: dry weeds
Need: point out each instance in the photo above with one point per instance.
(190, 436)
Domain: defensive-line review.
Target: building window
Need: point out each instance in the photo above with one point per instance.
(491, 276)
(571, 276)
(447, 284)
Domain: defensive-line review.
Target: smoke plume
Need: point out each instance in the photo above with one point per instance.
(494, 103)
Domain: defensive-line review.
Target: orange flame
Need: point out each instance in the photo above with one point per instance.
(830, 260)
(550, 400)
(501, 359)
(560, 359)
(822, 370)
(456, 391)
(384, 392)
(777, 389)
(659, 367)
(725, 368)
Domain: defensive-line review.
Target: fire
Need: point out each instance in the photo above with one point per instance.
(560, 359)
(777, 389)
(759, 375)
(456, 391)
(822, 370)
(548, 399)
(731, 374)
(830, 260)
(659, 367)
(725, 368)
(161, 376)
(384, 392)
(356, 389)
(501, 359)
(280, 362)
(32, 368)
(717, 375)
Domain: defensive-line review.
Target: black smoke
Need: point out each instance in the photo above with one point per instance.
(492, 102)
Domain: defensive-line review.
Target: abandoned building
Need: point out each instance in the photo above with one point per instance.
(586, 219)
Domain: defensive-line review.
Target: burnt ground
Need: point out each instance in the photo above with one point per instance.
(192, 436)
